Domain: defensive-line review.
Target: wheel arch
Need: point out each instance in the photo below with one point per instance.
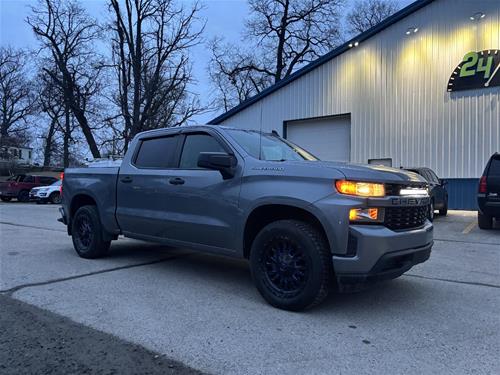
(265, 214)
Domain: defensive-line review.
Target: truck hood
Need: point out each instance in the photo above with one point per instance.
(361, 172)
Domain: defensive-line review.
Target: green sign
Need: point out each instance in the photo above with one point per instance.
(476, 71)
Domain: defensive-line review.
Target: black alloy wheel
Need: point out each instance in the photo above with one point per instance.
(84, 230)
(285, 265)
(87, 233)
(291, 264)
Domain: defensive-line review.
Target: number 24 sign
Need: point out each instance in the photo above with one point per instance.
(477, 70)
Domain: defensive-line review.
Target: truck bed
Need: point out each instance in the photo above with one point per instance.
(100, 182)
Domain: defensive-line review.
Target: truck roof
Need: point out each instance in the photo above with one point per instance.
(192, 127)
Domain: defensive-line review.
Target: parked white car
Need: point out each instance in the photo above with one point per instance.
(44, 194)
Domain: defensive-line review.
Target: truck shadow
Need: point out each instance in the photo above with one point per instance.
(230, 278)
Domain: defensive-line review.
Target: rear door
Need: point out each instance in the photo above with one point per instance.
(144, 190)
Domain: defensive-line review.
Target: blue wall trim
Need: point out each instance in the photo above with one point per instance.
(462, 193)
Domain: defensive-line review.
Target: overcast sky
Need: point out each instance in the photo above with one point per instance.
(224, 18)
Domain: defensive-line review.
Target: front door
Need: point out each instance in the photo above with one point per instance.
(205, 206)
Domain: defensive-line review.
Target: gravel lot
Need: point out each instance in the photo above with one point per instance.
(203, 311)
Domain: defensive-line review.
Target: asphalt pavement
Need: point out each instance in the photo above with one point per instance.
(203, 311)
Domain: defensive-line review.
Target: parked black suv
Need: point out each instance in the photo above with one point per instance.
(488, 197)
(438, 193)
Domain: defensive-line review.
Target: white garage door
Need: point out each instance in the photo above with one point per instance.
(327, 138)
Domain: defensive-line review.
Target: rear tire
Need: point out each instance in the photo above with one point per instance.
(431, 211)
(55, 198)
(23, 196)
(6, 199)
(484, 221)
(291, 265)
(87, 233)
(444, 211)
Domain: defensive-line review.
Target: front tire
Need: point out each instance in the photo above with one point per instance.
(23, 196)
(291, 265)
(444, 211)
(87, 233)
(484, 221)
(55, 198)
(431, 211)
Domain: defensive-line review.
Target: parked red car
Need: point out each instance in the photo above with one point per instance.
(19, 186)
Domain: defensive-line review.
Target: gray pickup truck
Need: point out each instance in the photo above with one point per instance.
(305, 225)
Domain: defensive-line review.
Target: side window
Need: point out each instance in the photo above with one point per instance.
(157, 153)
(29, 179)
(424, 174)
(434, 177)
(194, 144)
(494, 168)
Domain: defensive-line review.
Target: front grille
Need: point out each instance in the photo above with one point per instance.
(398, 218)
(393, 189)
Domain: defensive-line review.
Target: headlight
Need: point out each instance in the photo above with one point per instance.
(366, 215)
(362, 189)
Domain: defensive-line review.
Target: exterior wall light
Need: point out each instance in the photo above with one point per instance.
(411, 30)
(477, 16)
(355, 44)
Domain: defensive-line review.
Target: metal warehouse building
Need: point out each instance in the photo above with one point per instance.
(420, 89)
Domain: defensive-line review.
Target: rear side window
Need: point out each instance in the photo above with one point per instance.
(194, 144)
(157, 153)
(494, 167)
(28, 179)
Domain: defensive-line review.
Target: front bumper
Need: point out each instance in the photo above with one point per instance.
(489, 205)
(38, 196)
(381, 253)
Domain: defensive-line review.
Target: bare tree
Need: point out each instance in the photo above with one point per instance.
(229, 73)
(367, 13)
(68, 36)
(151, 42)
(283, 35)
(17, 100)
(53, 105)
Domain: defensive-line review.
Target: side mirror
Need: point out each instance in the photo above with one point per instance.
(443, 182)
(219, 161)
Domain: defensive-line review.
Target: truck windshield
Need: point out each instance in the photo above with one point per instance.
(265, 146)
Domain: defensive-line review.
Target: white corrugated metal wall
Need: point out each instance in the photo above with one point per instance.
(395, 88)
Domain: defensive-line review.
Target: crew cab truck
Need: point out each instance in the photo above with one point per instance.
(305, 225)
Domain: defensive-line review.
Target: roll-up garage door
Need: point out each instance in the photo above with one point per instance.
(329, 138)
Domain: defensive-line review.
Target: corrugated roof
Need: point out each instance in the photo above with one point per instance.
(396, 17)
